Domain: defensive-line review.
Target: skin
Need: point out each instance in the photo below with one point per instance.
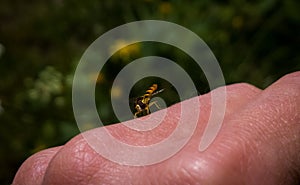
(259, 143)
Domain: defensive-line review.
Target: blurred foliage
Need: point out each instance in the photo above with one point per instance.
(41, 43)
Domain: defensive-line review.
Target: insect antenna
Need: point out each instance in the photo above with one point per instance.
(157, 92)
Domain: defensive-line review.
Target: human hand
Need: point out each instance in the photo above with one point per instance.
(259, 143)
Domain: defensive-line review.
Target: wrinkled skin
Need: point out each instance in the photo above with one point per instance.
(259, 143)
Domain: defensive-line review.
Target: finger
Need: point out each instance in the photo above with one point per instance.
(33, 169)
(78, 162)
(260, 144)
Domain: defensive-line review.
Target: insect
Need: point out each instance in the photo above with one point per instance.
(142, 104)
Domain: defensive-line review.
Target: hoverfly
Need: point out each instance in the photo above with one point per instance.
(142, 104)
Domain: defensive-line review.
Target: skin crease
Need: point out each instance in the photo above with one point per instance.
(259, 143)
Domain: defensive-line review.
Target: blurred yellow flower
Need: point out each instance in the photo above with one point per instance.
(165, 8)
(124, 50)
(116, 92)
(96, 77)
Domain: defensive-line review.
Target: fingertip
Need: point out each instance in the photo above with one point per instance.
(32, 171)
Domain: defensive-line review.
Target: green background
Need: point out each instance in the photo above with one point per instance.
(41, 43)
